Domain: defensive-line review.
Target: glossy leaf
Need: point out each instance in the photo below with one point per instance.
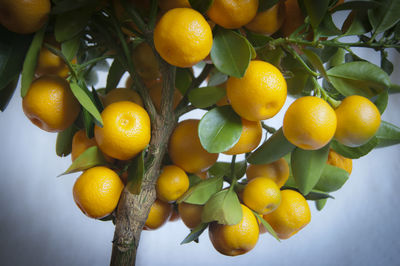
(388, 134)
(201, 192)
(64, 141)
(316, 11)
(201, 5)
(273, 149)
(266, 4)
(385, 16)
(258, 40)
(194, 180)
(315, 60)
(360, 78)
(307, 167)
(183, 79)
(223, 207)
(332, 178)
(88, 123)
(354, 152)
(71, 23)
(382, 101)
(230, 52)
(221, 169)
(356, 23)
(272, 56)
(70, 48)
(114, 75)
(29, 67)
(320, 204)
(220, 129)
(195, 233)
(356, 5)
(317, 195)
(136, 172)
(62, 6)
(6, 94)
(386, 65)
(206, 96)
(327, 27)
(86, 102)
(266, 225)
(88, 159)
(217, 78)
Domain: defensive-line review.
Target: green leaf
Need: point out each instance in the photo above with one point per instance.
(86, 102)
(362, 78)
(223, 207)
(356, 23)
(114, 75)
(356, 5)
(317, 195)
(386, 65)
(194, 180)
(220, 129)
(258, 40)
(385, 16)
(71, 23)
(183, 79)
(336, 58)
(135, 174)
(6, 94)
(200, 193)
(201, 5)
(221, 169)
(271, 55)
(307, 167)
(394, 88)
(88, 123)
(316, 11)
(266, 4)
(13, 48)
(354, 152)
(216, 78)
(314, 59)
(327, 27)
(206, 96)
(62, 6)
(388, 134)
(267, 226)
(195, 233)
(273, 149)
(28, 69)
(88, 159)
(230, 52)
(64, 141)
(382, 101)
(320, 204)
(332, 178)
(70, 47)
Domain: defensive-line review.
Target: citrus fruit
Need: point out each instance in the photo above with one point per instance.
(80, 143)
(249, 139)
(50, 64)
(125, 131)
(277, 171)
(155, 92)
(185, 148)
(291, 216)
(170, 4)
(183, 37)
(24, 16)
(260, 94)
(268, 21)
(50, 104)
(175, 215)
(97, 191)
(340, 161)
(232, 14)
(262, 195)
(309, 123)
(294, 18)
(190, 214)
(358, 119)
(172, 183)
(159, 214)
(145, 62)
(233, 240)
(122, 94)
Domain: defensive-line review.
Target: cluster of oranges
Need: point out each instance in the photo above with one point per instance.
(183, 37)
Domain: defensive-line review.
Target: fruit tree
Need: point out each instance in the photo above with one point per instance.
(141, 164)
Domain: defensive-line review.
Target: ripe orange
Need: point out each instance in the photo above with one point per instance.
(172, 183)
(277, 171)
(170, 4)
(249, 139)
(145, 62)
(51, 64)
(190, 214)
(261, 195)
(80, 143)
(294, 18)
(268, 21)
(122, 94)
(159, 213)
(155, 92)
(340, 161)
(50, 104)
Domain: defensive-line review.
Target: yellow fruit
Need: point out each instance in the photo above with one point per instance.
(50, 104)
(155, 92)
(185, 148)
(268, 21)
(97, 191)
(145, 62)
(358, 119)
(170, 4)
(249, 139)
(233, 240)
(24, 16)
(172, 183)
(294, 18)
(174, 216)
(190, 214)
(340, 161)
(262, 195)
(159, 214)
(125, 131)
(122, 94)
(309, 123)
(291, 216)
(260, 94)
(277, 171)
(232, 14)
(51, 64)
(183, 37)
(80, 143)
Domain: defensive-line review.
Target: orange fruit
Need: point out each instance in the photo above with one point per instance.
(51, 64)
(155, 92)
(185, 148)
(24, 16)
(146, 62)
(174, 216)
(170, 4)
(340, 161)
(233, 240)
(294, 18)
(232, 14)
(122, 94)
(159, 214)
(277, 171)
(249, 139)
(358, 119)
(80, 143)
(125, 131)
(291, 216)
(259, 94)
(309, 123)
(97, 191)
(261, 195)
(172, 183)
(183, 37)
(50, 104)
(190, 214)
(268, 21)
